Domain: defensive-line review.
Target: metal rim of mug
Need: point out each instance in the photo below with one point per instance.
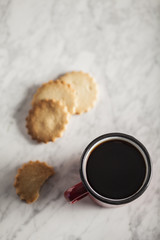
(108, 137)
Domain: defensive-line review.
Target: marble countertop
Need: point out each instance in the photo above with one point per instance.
(118, 42)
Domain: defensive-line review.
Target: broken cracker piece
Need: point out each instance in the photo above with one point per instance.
(30, 178)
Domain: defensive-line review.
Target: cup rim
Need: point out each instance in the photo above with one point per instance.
(116, 201)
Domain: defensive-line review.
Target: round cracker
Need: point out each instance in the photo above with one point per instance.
(85, 87)
(59, 91)
(47, 120)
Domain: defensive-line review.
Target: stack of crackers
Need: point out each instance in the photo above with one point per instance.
(54, 102)
(52, 105)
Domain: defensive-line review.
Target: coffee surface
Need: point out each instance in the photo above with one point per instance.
(116, 169)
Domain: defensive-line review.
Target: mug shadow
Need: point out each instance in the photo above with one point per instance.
(66, 176)
(22, 111)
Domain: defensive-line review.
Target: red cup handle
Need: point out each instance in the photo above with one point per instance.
(75, 193)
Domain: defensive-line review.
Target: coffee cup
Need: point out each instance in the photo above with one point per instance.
(115, 169)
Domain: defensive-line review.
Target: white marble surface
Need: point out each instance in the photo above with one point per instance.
(118, 42)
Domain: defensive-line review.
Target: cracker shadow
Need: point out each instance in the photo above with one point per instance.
(61, 75)
(8, 179)
(21, 113)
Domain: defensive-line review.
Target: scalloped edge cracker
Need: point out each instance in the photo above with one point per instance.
(85, 87)
(58, 91)
(47, 120)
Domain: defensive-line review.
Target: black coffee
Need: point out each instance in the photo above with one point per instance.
(116, 169)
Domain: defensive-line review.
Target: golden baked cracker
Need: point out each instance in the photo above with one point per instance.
(59, 91)
(47, 120)
(30, 178)
(85, 87)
